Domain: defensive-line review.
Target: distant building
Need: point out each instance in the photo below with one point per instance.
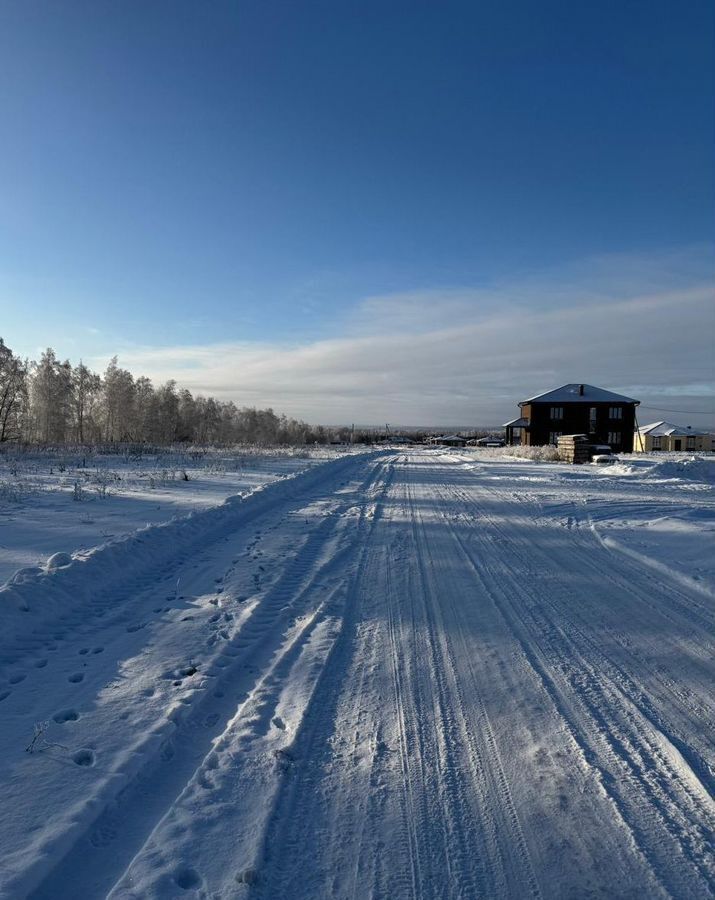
(449, 440)
(486, 442)
(605, 417)
(666, 436)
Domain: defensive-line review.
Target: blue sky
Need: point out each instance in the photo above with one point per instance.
(263, 182)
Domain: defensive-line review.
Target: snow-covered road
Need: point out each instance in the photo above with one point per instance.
(397, 675)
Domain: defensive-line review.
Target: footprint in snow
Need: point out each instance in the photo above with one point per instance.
(76, 677)
(17, 678)
(4, 695)
(187, 878)
(83, 757)
(66, 715)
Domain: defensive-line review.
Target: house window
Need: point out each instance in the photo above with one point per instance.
(557, 412)
(615, 412)
(690, 442)
(592, 413)
(614, 437)
(656, 443)
(554, 436)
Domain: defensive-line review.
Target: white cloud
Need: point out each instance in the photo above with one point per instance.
(463, 356)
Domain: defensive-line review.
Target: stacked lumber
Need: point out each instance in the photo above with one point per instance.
(575, 448)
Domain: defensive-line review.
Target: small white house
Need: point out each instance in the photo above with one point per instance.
(666, 436)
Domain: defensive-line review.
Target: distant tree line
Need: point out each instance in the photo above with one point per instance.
(53, 403)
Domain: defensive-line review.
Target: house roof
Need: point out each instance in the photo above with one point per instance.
(661, 429)
(521, 422)
(571, 393)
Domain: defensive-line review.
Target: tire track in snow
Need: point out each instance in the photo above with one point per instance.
(290, 838)
(393, 778)
(408, 804)
(627, 584)
(100, 589)
(246, 745)
(588, 559)
(500, 875)
(499, 596)
(614, 729)
(104, 846)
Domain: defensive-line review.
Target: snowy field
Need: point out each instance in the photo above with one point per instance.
(51, 502)
(396, 674)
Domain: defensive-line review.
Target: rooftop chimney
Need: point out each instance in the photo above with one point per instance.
(580, 390)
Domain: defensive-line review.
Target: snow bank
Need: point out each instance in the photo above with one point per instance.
(694, 468)
(670, 468)
(59, 561)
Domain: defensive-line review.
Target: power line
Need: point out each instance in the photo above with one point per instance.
(691, 412)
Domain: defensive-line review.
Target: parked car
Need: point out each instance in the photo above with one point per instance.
(602, 455)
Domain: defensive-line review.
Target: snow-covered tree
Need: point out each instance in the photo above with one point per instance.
(51, 402)
(86, 392)
(117, 402)
(167, 412)
(51, 399)
(13, 394)
(145, 411)
(188, 422)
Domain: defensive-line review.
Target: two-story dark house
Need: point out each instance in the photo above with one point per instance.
(607, 418)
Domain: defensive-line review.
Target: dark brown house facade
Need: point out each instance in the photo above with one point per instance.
(607, 418)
